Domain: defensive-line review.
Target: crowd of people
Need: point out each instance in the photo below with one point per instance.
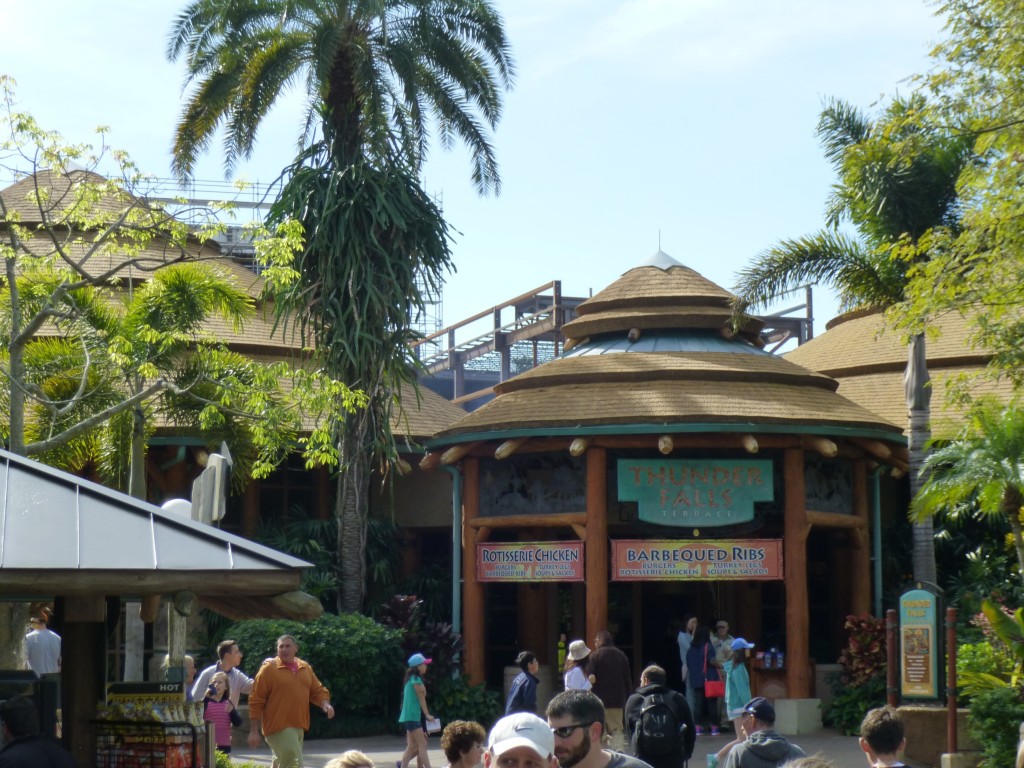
(599, 721)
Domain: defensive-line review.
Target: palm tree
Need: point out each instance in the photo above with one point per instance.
(981, 472)
(896, 182)
(376, 73)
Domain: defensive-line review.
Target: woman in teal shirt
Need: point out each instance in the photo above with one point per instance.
(414, 709)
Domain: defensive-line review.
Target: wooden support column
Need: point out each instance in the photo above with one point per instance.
(532, 617)
(596, 545)
(860, 543)
(82, 676)
(472, 590)
(798, 673)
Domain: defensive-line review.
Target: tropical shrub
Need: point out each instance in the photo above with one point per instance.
(993, 721)
(861, 684)
(360, 662)
(453, 698)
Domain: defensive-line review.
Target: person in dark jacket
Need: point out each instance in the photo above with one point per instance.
(522, 696)
(24, 746)
(653, 680)
(700, 666)
(764, 747)
(612, 684)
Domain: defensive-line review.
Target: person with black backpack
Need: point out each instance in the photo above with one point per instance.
(660, 722)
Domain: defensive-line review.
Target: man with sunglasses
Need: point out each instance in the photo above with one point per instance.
(577, 719)
(763, 746)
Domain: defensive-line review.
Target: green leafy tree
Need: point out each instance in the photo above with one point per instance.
(981, 472)
(377, 74)
(977, 81)
(896, 183)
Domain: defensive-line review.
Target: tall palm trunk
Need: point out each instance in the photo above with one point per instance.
(352, 508)
(916, 383)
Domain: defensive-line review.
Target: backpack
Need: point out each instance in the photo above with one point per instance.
(659, 729)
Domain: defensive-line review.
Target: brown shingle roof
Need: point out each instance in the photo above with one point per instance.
(859, 342)
(868, 361)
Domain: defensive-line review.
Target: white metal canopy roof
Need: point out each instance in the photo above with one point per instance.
(60, 534)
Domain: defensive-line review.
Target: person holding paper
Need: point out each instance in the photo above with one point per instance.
(414, 708)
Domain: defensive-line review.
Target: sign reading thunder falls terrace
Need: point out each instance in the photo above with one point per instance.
(747, 559)
(698, 493)
(530, 561)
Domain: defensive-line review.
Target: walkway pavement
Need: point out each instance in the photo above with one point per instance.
(843, 751)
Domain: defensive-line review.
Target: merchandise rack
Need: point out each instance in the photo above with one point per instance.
(145, 744)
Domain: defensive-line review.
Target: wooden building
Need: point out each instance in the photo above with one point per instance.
(665, 465)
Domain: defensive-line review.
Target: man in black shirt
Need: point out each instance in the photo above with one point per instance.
(24, 747)
(659, 722)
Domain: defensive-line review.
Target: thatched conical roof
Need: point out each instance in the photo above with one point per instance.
(653, 352)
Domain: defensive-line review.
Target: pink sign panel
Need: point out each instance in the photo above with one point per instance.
(744, 559)
(530, 561)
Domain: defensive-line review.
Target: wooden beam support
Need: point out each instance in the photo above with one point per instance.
(749, 443)
(665, 444)
(556, 520)
(432, 460)
(149, 608)
(823, 445)
(580, 531)
(509, 447)
(633, 335)
(876, 448)
(457, 452)
(579, 446)
(834, 520)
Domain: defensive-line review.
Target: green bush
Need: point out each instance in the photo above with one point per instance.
(993, 720)
(360, 662)
(455, 699)
(851, 702)
(224, 761)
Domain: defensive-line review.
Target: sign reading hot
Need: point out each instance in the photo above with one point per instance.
(695, 492)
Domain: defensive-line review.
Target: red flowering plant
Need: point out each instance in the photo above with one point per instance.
(861, 684)
(864, 657)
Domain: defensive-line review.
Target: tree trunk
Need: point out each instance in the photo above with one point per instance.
(916, 383)
(134, 629)
(352, 510)
(13, 627)
(1011, 508)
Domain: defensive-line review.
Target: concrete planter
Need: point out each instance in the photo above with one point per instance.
(926, 736)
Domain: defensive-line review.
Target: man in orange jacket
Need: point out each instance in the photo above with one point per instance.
(282, 692)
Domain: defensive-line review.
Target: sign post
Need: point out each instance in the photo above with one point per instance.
(919, 645)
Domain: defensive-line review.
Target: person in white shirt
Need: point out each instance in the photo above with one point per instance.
(230, 659)
(42, 645)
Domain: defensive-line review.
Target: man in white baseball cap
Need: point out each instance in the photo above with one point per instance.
(521, 740)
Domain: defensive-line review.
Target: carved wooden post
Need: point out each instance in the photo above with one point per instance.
(597, 542)
(472, 590)
(860, 562)
(798, 672)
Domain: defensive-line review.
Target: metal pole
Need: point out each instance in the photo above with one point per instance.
(951, 681)
(891, 690)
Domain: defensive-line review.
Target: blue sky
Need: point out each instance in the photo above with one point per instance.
(691, 121)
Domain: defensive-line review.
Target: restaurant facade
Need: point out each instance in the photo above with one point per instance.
(665, 466)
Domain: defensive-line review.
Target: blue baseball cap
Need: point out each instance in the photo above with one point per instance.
(739, 642)
(418, 658)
